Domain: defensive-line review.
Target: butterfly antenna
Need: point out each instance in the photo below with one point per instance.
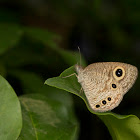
(79, 54)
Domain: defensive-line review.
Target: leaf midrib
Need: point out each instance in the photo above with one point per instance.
(31, 118)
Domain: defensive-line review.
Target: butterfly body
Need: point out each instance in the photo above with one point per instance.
(105, 83)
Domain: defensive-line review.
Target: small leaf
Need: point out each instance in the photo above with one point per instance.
(120, 126)
(10, 112)
(46, 119)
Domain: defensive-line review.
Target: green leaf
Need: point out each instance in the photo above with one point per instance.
(46, 119)
(120, 126)
(9, 36)
(10, 112)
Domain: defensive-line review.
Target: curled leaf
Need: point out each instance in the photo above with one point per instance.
(120, 126)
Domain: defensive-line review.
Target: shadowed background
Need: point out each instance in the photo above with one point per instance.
(104, 31)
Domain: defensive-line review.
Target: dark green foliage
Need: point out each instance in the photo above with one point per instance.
(47, 113)
(36, 43)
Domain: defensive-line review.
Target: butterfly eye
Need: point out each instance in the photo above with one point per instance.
(104, 102)
(114, 86)
(109, 99)
(119, 73)
(97, 106)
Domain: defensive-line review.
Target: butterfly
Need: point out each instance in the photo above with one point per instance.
(105, 83)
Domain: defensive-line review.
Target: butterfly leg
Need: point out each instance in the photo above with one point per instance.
(81, 90)
(71, 75)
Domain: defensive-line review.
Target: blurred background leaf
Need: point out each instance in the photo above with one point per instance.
(39, 39)
(10, 34)
(44, 118)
